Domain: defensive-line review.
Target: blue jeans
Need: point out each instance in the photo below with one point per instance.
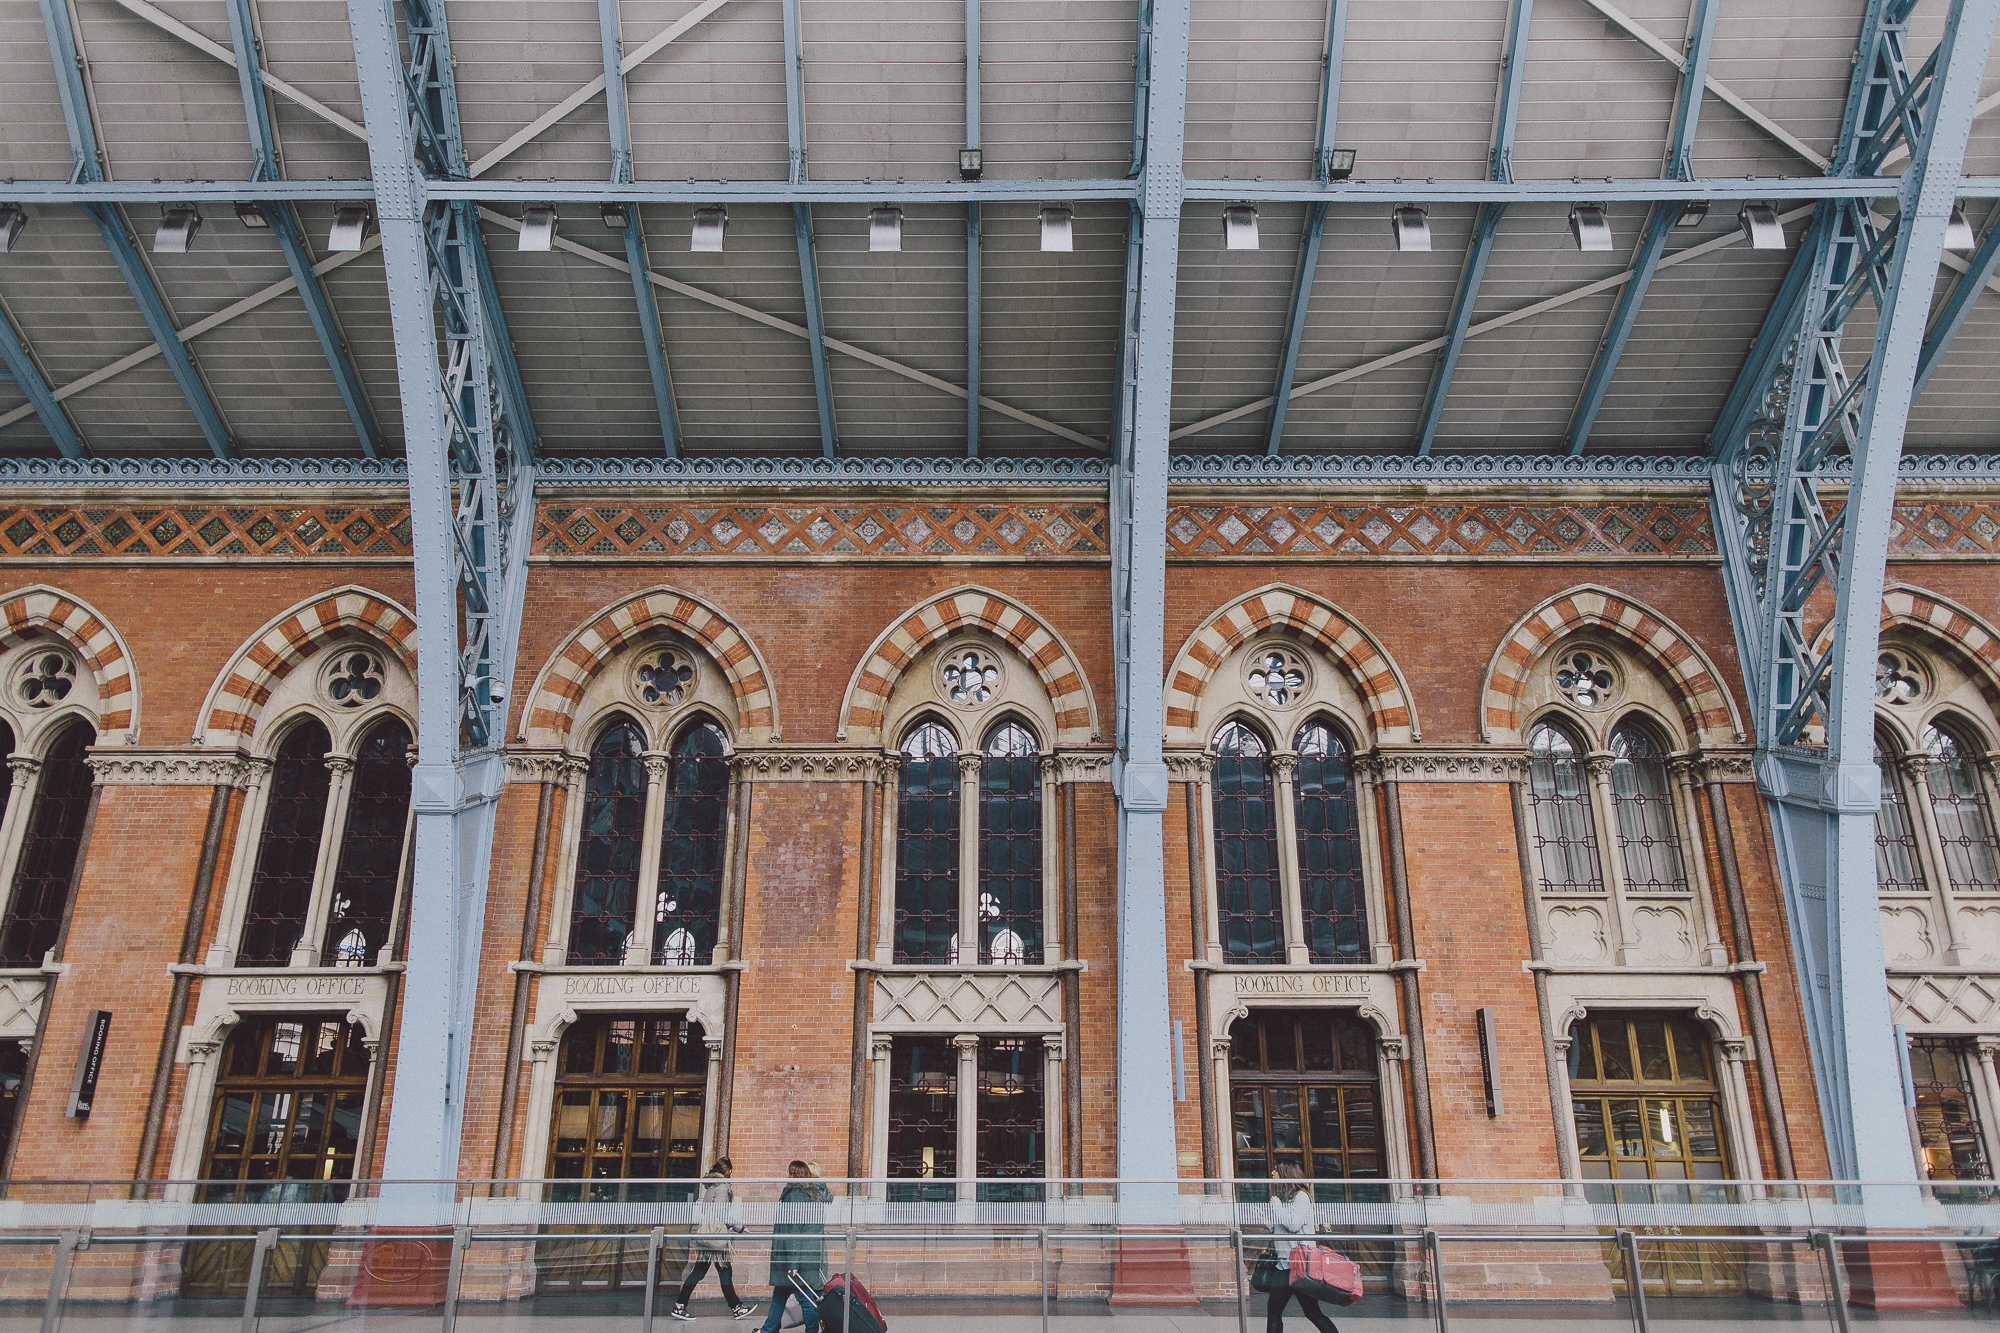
(777, 1311)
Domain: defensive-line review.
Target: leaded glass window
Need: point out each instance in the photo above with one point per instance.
(927, 848)
(371, 848)
(1303, 1093)
(923, 1118)
(1010, 848)
(281, 886)
(629, 1102)
(607, 855)
(6, 778)
(48, 856)
(1011, 1107)
(688, 900)
(1559, 808)
(1649, 840)
(1335, 914)
(1897, 868)
(1246, 848)
(1645, 1100)
(1964, 825)
(1948, 1129)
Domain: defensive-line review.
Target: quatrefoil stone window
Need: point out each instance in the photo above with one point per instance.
(664, 677)
(45, 678)
(1898, 678)
(1586, 679)
(1277, 676)
(969, 676)
(353, 678)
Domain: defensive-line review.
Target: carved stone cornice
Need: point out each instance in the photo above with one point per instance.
(175, 768)
(1726, 766)
(556, 766)
(1188, 765)
(1447, 764)
(806, 765)
(1084, 766)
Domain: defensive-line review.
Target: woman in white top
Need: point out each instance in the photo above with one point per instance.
(1290, 1218)
(717, 1214)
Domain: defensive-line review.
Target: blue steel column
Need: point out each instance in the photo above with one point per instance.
(1302, 284)
(972, 221)
(291, 240)
(635, 239)
(89, 167)
(1520, 14)
(14, 351)
(795, 134)
(1680, 166)
(1139, 543)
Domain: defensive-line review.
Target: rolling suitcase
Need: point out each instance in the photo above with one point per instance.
(1325, 1275)
(836, 1301)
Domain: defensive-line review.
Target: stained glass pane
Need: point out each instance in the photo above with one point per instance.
(607, 854)
(1965, 826)
(48, 854)
(1948, 1126)
(371, 848)
(1329, 847)
(927, 848)
(1011, 1109)
(923, 1118)
(1246, 848)
(1896, 866)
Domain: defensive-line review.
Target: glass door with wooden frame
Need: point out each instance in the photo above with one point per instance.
(1303, 1092)
(284, 1125)
(627, 1119)
(1647, 1109)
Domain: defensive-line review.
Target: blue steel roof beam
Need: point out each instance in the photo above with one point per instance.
(1659, 229)
(1302, 284)
(1512, 69)
(635, 239)
(21, 366)
(89, 166)
(1957, 307)
(972, 248)
(291, 239)
(795, 138)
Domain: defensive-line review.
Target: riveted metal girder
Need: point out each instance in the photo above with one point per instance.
(89, 167)
(795, 134)
(22, 368)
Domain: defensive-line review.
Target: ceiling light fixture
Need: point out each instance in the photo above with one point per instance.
(351, 225)
(1239, 227)
(613, 214)
(1587, 224)
(1058, 229)
(710, 225)
(1958, 232)
(13, 218)
(1693, 213)
(179, 225)
(1339, 163)
(1760, 223)
(971, 162)
(250, 215)
(885, 230)
(538, 228)
(1412, 227)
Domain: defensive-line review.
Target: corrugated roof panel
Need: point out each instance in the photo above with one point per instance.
(309, 44)
(1958, 409)
(711, 106)
(1229, 321)
(1594, 102)
(1056, 87)
(35, 146)
(1049, 325)
(514, 59)
(884, 88)
(1791, 59)
(1254, 74)
(164, 110)
(1417, 96)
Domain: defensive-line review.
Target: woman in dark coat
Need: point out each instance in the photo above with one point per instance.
(798, 1243)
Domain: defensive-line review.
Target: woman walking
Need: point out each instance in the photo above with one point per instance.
(716, 1214)
(798, 1243)
(1290, 1215)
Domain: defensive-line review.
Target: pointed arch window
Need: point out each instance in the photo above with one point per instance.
(1249, 901)
(1897, 869)
(1329, 847)
(47, 864)
(1642, 803)
(1564, 835)
(288, 847)
(1010, 847)
(371, 848)
(927, 842)
(607, 858)
(1958, 805)
(687, 903)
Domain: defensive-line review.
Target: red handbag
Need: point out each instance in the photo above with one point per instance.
(1325, 1275)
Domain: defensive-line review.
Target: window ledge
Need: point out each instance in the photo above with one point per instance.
(1331, 969)
(208, 970)
(626, 969)
(968, 969)
(45, 968)
(1662, 970)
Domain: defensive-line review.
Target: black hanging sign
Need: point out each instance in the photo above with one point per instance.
(1489, 1062)
(90, 1061)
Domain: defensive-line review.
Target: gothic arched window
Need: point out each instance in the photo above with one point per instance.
(1250, 904)
(1649, 840)
(1329, 847)
(927, 843)
(607, 855)
(1971, 855)
(288, 847)
(1010, 847)
(371, 848)
(47, 864)
(1565, 837)
(1897, 868)
(688, 902)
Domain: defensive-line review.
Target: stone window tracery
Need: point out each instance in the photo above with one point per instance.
(45, 678)
(663, 676)
(1586, 678)
(1649, 842)
(1564, 834)
(1964, 825)
(1277, 675)
(353, 678)
(970, 676)
(1899, 678)
(1937, 856)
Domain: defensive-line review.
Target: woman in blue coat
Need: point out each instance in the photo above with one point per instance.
(798, 1244)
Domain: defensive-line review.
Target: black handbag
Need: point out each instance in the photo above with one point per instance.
(1265, 1275)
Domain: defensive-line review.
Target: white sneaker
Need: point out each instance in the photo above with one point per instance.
(743, 1311)
(680, 1312)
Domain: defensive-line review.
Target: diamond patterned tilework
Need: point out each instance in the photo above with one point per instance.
(1958, 527)
(864, 529)
(205, 530)
(1637, 528)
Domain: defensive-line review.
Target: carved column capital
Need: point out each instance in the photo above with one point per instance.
(1726, 766)
(1052, 1045)
(341, 765)
(1734, 1050)
(969, 766)
(544, 766)
(24, 766)
(1392, 1048)
(1283, 766)
(657, 763)
(881, 1046)
(1598, 765)
(1917, 768)
(1218, 1048)
(1189, 765)
(1683, 769)
(966, 1041)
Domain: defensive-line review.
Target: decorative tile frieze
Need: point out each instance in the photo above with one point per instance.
(1961, 1000)
(174, 768)
(873, 528)
(960, 1000)
(1639, 528)
(1940, 526)
(203, 531)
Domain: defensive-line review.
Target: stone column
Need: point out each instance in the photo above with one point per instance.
(885, 892)
(242, 864)
(970, 926)
(727, 929)
(1213, 903)
(1742, 1124)
(26, 777)
(562, 893)
(1284, 768)
(646, 887)
(1930, 850)
(1986, 1078)
(1605, 816)
(879, 1049)
(1052, 1126)
(306, 953)
(711, 1098)
(1052, 937)
(1392, 1055)
(1225, 1116)
(968, 1113)
(1694, 859)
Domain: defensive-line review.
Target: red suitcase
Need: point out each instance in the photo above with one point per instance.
(1325, 1275)
(836, 1300)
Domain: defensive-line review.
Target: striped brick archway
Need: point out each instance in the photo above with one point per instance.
(1392, 714)
(550, 716)
(1968, 637)
(1706, 709)
(100, 647)
(230, 713)
(861, 710)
